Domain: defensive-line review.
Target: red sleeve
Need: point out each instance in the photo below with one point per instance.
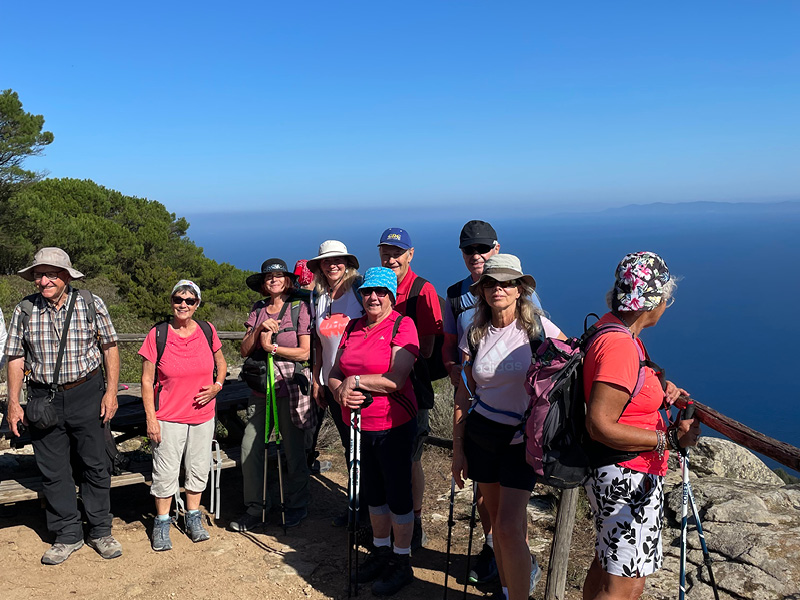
(406, 337)
(429, 312)
(148, 349)
(613, 358)
(216, 344)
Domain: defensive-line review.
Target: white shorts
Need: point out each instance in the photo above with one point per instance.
(628, 509)
(190, 444)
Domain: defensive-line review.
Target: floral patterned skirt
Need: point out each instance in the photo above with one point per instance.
(628, 509)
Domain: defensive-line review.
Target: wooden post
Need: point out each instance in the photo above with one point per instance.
(562, 540)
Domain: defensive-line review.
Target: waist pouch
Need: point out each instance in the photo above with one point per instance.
(39, 410)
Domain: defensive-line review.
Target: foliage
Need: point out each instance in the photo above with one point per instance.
(21, 136)
(787, 477)
(133, 242)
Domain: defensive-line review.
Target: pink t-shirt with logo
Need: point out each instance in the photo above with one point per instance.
(187, 366)
(330, 320)
(369, 352)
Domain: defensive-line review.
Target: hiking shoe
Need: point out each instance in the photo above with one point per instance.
(536, 574)
(161, 541)
(194, 526)
(373, 565)
(418, 538)
(294, 516)
(395, 576)
(106, 546)
(58, 552)
(485, 569)
(245, 523)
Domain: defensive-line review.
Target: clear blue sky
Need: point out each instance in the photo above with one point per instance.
(212, 106)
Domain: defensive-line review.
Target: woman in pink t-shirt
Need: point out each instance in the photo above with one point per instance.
(375, 357)
(625, 485)
(178, 394)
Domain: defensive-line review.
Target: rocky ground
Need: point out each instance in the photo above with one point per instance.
(753, 530)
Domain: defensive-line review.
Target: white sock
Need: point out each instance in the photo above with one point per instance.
(382, 542)
(162, 517)
(402, 550)
(490, 541)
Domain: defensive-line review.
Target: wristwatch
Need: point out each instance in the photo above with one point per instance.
(358, 381)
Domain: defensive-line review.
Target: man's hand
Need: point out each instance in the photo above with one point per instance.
(16, 415)
(108, 407)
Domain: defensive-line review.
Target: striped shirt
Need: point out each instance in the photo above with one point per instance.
(38, 343)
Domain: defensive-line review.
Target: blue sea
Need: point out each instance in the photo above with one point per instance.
(732, 338)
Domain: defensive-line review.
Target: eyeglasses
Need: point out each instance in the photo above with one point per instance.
(477, 249)
(490, 283)
(51, 275)
(379, 292)
(274, 275)
(671, 301)
(177, 300)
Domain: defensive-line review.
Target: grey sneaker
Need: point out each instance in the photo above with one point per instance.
(161, 541)
(536, 574)
(58, 552)
(194, 526)
(106, 546)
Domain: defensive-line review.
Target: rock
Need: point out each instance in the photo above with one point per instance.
(714, 457)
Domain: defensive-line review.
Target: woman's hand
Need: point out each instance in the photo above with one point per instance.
(459, 465)
(317, 393)
(154, 431)
(688, 432)
(346, 394)
(673, 392)
(207, 394)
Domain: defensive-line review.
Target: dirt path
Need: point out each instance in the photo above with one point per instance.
(308, 562)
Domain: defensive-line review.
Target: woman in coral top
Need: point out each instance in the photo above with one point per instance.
(181, 425)
(630, 437)
(375, 355)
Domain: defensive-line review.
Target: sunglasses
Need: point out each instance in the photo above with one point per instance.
(379, 292)
(51, 275)
(177, 300)
(476, 249)
(491, 283)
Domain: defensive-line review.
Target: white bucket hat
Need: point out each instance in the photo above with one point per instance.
(331, 249)
(502, 267)
(54, 257)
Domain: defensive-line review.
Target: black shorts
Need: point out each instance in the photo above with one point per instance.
(492, 458)
(386, 467)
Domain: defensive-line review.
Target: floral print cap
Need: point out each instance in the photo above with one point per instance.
(640, 279)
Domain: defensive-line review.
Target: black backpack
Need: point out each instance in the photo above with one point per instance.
(426, 370)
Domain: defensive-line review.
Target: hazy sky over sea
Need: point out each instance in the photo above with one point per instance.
(207, 107)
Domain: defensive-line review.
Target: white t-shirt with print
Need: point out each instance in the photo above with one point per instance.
(499, 368)
(330, 323)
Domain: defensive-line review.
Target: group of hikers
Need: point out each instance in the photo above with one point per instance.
(364, 348)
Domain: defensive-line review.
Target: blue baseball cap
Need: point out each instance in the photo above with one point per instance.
(380, 277)
(394, 236)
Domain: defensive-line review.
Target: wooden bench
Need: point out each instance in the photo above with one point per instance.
(30, 488)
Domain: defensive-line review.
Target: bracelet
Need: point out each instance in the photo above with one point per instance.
(218, 383)
(274, 349)
(661, 444)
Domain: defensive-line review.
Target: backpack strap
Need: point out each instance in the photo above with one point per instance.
(413, 297)
(355, 287)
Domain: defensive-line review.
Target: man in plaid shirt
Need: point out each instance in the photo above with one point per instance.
(83, 402)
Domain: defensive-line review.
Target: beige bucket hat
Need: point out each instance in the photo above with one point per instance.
(54, 257)
(502, 267)
(331, 249)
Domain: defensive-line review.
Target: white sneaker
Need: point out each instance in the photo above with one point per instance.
(536, 574)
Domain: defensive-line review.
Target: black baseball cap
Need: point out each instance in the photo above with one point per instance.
(477, 232)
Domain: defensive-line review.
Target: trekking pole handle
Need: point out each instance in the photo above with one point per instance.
(688, 412)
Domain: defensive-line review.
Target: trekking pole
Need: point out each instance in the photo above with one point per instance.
(450, 524)
(688, 413)
(354, 492)
(472, 524)
(706, 555)
(276, 431)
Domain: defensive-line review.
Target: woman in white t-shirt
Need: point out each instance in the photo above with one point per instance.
(487, 439)
(335, 302)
